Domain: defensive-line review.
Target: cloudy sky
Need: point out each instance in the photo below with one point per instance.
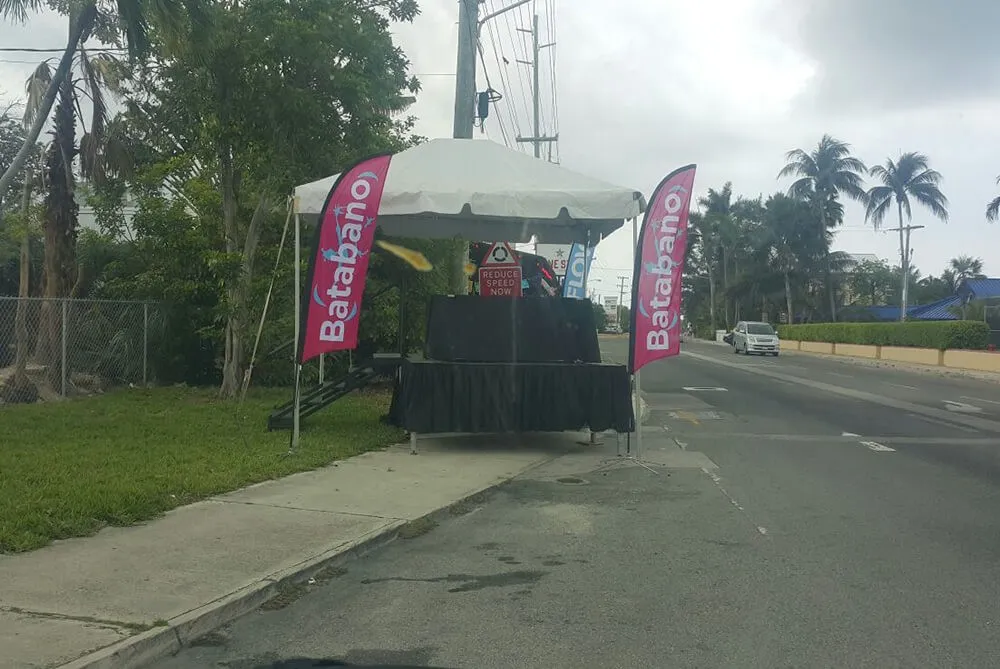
(644, 86)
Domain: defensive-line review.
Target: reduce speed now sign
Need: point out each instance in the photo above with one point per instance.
(500, 272)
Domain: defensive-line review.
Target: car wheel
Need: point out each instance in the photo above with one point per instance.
(775, 354)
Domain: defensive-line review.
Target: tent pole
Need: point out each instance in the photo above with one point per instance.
(298, 323)
(638, 382)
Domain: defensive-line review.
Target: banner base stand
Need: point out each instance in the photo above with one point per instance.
(630, 457)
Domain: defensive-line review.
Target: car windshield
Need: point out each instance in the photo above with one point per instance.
(759, 329)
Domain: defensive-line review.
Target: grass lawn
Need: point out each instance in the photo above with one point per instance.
(67, 469)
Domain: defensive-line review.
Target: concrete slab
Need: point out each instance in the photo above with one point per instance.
(399, 485)
(31, 641)
(193, 555)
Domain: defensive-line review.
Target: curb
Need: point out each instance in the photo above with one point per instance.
(169, 639)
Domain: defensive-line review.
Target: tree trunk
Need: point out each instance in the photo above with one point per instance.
(83, 24)
(459, 279)
(828, 269)
(233, 361)
(19, 388)
(60, 233)
(725, 285)
(788, 299)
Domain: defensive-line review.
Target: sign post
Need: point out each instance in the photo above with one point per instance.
(500, 272)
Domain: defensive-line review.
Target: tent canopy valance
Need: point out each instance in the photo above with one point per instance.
(480, 190)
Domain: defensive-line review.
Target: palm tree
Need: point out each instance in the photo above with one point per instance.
(786, 240)
(133, 19)
(962, 268)
(708, 243)
(823, 175)
(908, 177)
(718, 223)
(60, 219)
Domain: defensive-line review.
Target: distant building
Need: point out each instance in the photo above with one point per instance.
(87, 219)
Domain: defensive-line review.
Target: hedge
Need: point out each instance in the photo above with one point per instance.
(939, 335)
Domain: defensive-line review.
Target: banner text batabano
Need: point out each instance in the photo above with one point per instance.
(659, 267)
(339, 265)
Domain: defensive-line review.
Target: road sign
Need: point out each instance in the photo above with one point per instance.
(500, 272)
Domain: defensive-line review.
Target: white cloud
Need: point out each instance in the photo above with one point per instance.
(647, 85)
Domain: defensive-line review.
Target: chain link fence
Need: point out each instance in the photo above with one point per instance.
(65, 346)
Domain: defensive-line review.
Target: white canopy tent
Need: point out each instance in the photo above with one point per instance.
(482, 191)
(478, 190)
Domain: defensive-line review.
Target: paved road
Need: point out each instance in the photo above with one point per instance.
(795, 519)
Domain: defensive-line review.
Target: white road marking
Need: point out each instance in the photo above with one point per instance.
(840, 374)
(961, 407)
(696, 389)
(849, 434)
(979, 399)
(902, 385)
(953, 426)
(717, 480)
(877, 447)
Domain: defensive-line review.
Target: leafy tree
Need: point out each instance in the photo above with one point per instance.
(600, 317)
(872, 283)
(909, 177)
(279, 94)
(822, 176)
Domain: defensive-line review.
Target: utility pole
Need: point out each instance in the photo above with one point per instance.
(536, 48)
(465, 69)
(621, 297)
(905, 234)
(463, 123)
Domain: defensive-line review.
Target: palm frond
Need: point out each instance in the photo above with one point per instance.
(932, 198)
(879, 200)
(801, 189)
(993, 210)
(36, 86)
(19, 10)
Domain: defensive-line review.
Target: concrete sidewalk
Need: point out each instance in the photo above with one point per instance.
(128, 595)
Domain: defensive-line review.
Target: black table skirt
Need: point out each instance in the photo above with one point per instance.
(442, 397)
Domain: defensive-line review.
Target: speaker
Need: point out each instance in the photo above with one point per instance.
(470, 328)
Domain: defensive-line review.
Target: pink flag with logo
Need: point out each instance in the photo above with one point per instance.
(331, 306)
(659, 265)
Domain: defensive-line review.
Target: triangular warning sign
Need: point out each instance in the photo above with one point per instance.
(501, 254)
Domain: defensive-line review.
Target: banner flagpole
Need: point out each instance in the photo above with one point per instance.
(660, 246)
(637, 379)
(298, 325)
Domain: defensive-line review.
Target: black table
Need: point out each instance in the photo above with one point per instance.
(440, 397)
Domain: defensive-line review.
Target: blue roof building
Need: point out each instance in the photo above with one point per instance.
(969, 290)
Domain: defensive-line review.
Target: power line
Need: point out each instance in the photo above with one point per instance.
(54, 50)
